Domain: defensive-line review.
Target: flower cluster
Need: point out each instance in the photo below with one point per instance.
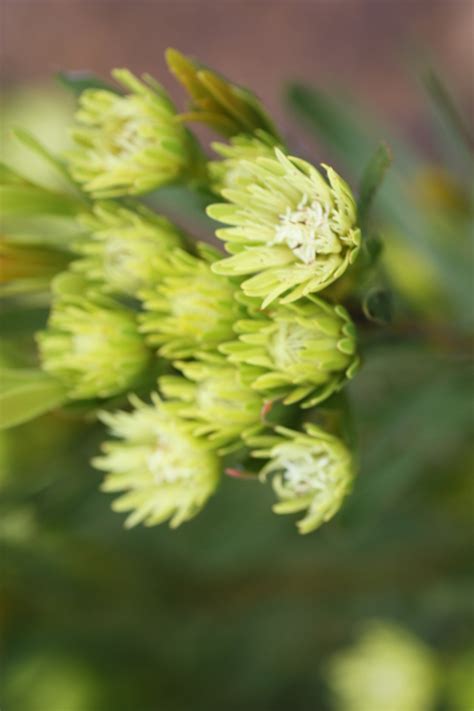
(244, 350)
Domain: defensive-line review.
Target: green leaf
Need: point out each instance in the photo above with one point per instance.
(26, 395)
(14, 377)
(446, 106)
(77, 82)
(30, 199)
(414, 410)
(346, 128)
(377, 305)
(20, 317)
(34, 145)
(9, 176)
(328, 120)
(372, 178)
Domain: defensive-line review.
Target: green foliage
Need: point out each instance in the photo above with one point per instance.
(371, 179)
(26, 394)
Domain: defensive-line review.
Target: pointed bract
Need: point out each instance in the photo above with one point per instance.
(225, 107)
(230, 171)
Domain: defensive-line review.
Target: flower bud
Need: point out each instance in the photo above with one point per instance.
(91, 342)
(190, 309)
(214, 397)
(166, 472)
(291, 228)
(302, 351)
(388, 668)
(225, 107)
(231, 172)
(130, 144)
(123, 246)
(311, 470)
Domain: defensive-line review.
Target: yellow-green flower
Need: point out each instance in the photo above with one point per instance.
(303, 351)
(215, 398)
(388, 669)
(290, 227)
(91, 342)
(231, 171)
(130, 144)
(225, 107)
(123, 246)
(312, 471)
(166, 472)
(190, 309)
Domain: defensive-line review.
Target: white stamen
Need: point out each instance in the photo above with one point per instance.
(307, 231)
(307, 472)
(167, 462)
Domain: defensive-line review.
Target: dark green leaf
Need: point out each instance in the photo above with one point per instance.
(378, 305)
(444, 102)
(371, 180)
(334, 124)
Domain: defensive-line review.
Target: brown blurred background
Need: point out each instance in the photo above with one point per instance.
(362, 44)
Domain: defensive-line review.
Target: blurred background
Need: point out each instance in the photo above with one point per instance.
(235, 610)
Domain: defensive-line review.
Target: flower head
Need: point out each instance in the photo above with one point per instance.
(389, 669)
(166, 472)
(214, 396)
(222, 105)
(190, 309)
(130, 144)
(123, 246)
(231, 171)
(291, 228)
(91, 342)
(303, 351)
(312, 470)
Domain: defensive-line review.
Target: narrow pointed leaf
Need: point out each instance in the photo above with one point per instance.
(371, 180)
(30, 200)
(446, 106)
(24, 401)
